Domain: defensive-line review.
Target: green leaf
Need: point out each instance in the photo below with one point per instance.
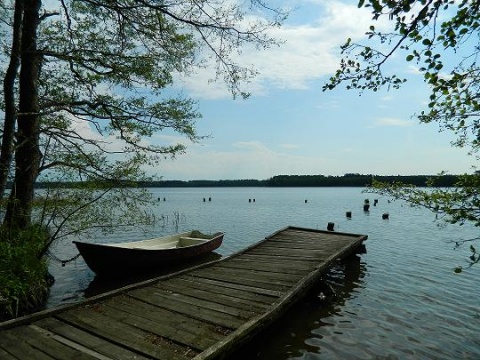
(426, 42)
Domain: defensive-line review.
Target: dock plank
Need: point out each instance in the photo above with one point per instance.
(277, 279)
(228, 277)
(270, 271)
(19, 347)
(261, 295)
(191, 300)
(122, 334)
(6, 356)
(204, 313)
(189, 308)
(84, 340)
(293, 265)
(292, 253)
(215, 297)
(48, 345)
(184, 325)
(177, 335)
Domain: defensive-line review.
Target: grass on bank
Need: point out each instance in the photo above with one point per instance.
(24, 278)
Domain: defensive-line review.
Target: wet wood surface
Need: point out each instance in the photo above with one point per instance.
(205, 312)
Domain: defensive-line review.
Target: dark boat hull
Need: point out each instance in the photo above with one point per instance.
(104, 259)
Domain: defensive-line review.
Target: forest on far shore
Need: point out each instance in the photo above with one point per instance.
(354, 180)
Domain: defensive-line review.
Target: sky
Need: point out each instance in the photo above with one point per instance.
(289, 126)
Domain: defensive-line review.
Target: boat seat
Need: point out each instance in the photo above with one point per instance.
(188, 241)
(171, 245)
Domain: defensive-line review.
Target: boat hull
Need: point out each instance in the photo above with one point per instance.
(108, 259)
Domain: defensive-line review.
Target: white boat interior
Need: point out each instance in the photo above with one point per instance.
(167, 242)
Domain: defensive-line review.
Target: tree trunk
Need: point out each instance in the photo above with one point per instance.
(27, 154)
(6, 152)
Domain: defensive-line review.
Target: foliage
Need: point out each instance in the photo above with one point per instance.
(23, 277)
(87, 90)
(101, 75)
(90, 209)
(456, 205)
(441, 37)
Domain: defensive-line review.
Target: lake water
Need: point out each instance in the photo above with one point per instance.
(399, 300)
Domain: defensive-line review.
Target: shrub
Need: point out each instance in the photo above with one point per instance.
(24, 278)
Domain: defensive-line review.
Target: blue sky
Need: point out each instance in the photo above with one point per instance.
(289, 126)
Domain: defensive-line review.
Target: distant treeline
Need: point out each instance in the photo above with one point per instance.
(354, 180)
(357, 180)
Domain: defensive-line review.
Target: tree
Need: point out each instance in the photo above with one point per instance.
(442, 38)
(87, 86)
(107, 68)
(6, 151)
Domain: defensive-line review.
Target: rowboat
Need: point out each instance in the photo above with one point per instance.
(147, 254)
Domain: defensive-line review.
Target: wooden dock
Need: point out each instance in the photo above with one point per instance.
(206, 312)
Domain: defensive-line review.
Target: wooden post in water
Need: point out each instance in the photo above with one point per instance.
(366, 205)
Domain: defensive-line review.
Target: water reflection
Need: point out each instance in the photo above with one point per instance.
(101, 284)
(289, 337)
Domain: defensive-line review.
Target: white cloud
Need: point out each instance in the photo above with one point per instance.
(289, 146)
(255, 159)
(112, 143)
(173, 139)
(386, 121)
(251, 146)
(412, 69)
(328, 104)
(311, 51)
(86, 131)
